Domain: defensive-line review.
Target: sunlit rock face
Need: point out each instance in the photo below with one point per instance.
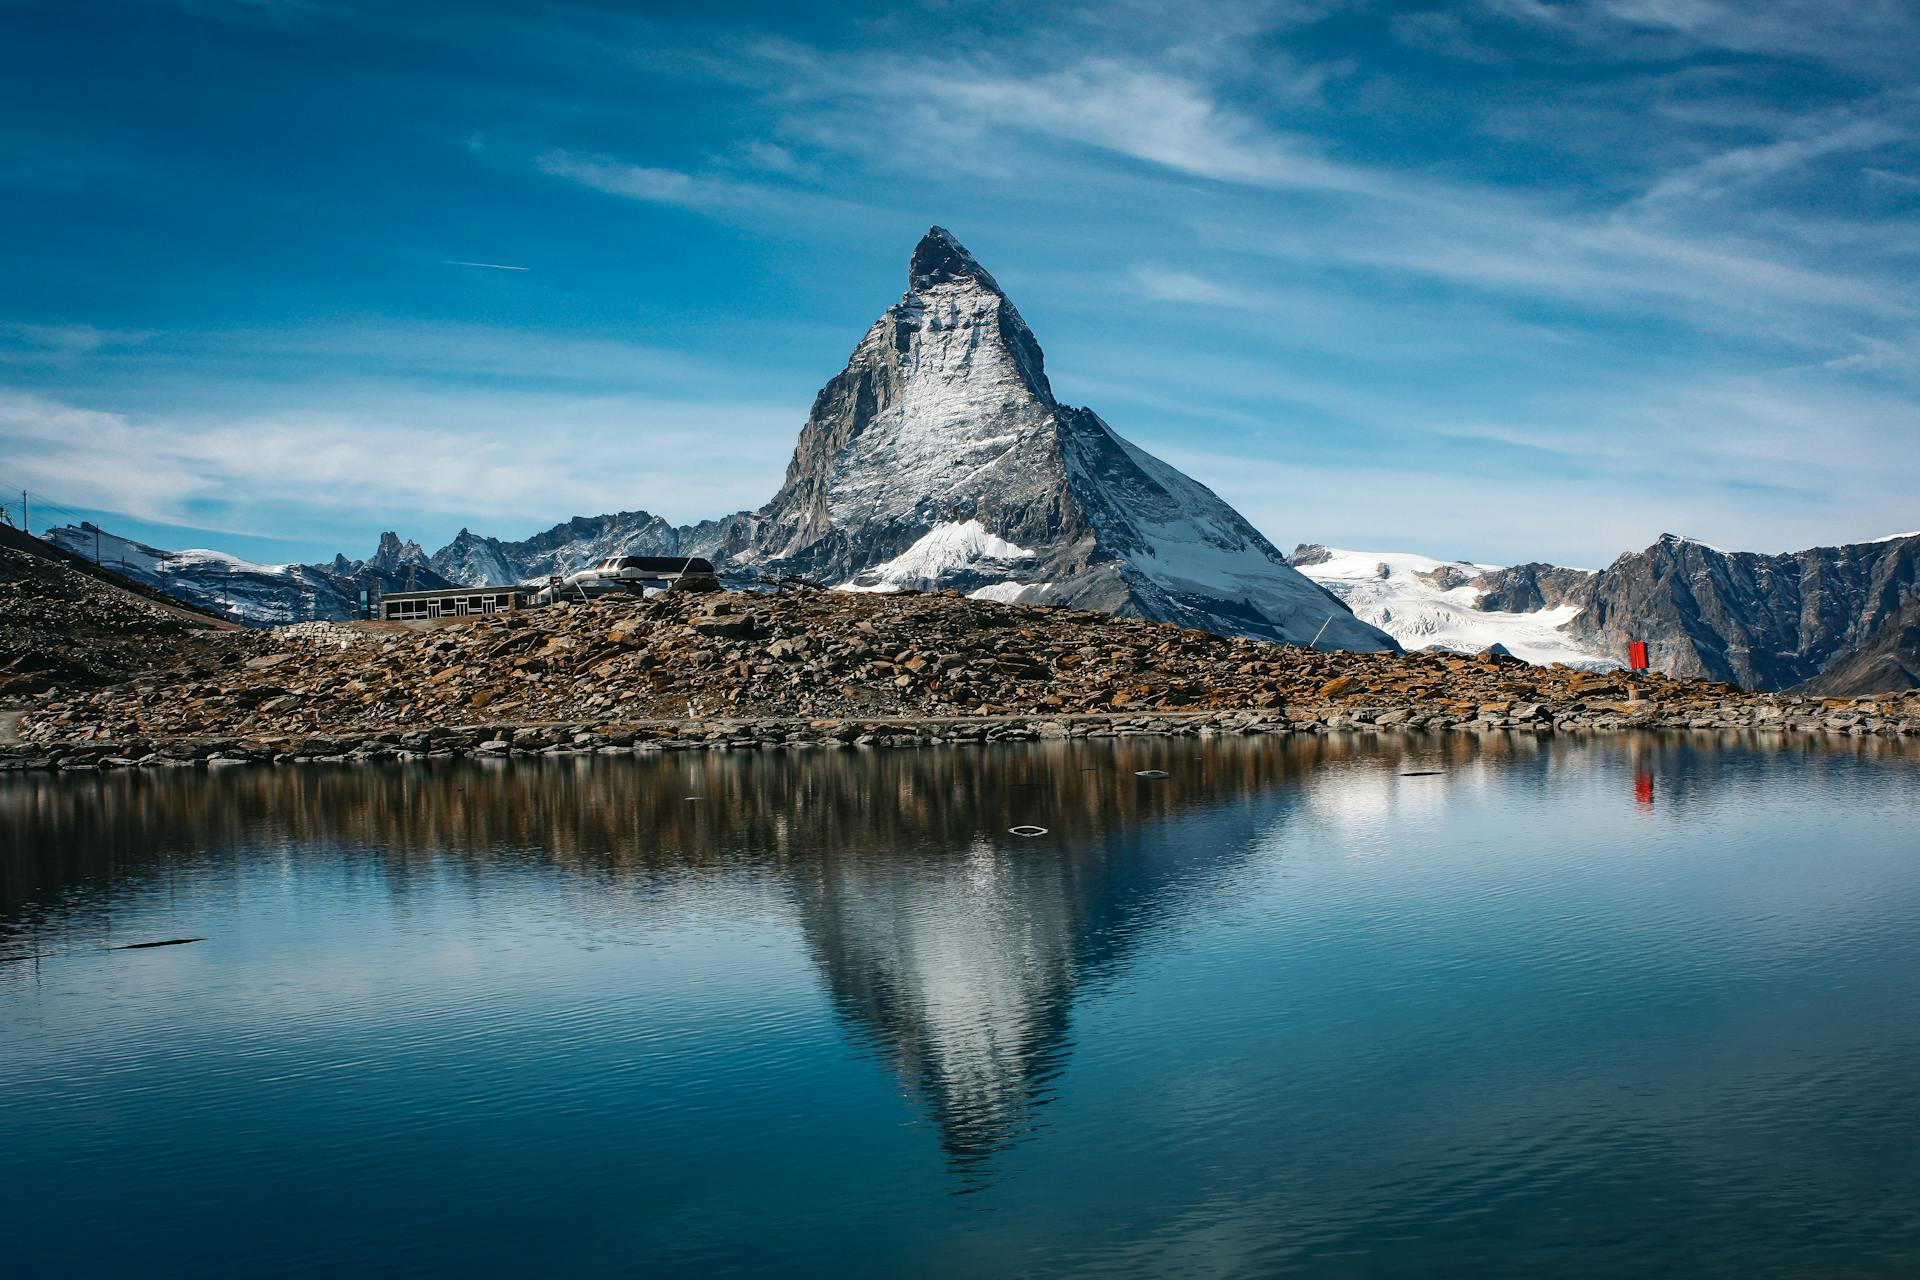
(1758, 621)
(939, 458)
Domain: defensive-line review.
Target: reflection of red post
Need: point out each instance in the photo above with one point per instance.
(1643, 789)
(1637, 655)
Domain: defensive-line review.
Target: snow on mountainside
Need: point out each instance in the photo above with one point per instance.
(937, 459)
(947, 554)
(943, 432)
(258, 594)
(1435, 604)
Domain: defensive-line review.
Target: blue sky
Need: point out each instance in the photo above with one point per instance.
(1498, 279)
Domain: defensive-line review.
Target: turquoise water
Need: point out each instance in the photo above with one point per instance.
(1544, 1007)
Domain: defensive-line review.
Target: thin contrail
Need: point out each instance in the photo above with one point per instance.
(491, 266)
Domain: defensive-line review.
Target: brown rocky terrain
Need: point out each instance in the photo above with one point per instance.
(71, 627)
(623, 673)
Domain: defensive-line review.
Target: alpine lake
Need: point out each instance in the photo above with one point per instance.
(1472, 1005)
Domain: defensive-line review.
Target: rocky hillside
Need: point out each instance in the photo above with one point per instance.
(1758, 621)
(1887, 663)
(62, 627)
(252, 593)
(832, 665)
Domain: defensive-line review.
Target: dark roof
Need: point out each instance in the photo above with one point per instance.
(666, 564)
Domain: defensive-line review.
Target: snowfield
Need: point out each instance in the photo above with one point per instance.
(1429, 604)
(941, 554)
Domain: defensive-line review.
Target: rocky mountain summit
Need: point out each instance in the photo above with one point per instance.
(940, 458)
(937, 458)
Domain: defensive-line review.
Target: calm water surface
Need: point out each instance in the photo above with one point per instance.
(1604, 1008)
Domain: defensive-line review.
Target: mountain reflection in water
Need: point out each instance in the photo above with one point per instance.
(951, 950)
(1488, 1005)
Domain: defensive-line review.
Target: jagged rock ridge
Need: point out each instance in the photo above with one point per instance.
(1827, 619)
(1758, 621)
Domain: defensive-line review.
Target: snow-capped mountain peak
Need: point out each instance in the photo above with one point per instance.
(938, 458)
(944, 421)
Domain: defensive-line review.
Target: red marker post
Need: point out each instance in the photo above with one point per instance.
(1636, 661)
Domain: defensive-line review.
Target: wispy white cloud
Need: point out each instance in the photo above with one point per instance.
(513, 461)
(1163, 284)
(970, 112)
(638, 182)
(490, 266)
(1863, 36)
(958, 107)
(1725, 172)
(62, 343)
(1906, 181)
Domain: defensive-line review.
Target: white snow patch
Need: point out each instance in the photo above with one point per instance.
(1681, 537)
(193, 556)
(1006, 592)
(942, 550)
(1191, 544)
(1404, 595)
(1895, 537)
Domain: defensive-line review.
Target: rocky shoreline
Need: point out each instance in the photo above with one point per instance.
(801, 669)
(504, 741)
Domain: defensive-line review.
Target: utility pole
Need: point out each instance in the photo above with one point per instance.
(26, 514)
(96, 544)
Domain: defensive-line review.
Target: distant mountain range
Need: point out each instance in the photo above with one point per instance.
(1834, 619)
(246, 591)
(939, 459)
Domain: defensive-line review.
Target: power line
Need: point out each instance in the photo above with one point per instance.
(35, 502)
